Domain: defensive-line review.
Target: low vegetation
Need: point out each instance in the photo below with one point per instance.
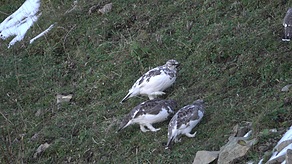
(231, 55)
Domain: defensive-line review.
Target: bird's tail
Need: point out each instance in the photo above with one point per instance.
(288, 33)
(120, 129)
(169, 143)
(124, 123)
(126, 98)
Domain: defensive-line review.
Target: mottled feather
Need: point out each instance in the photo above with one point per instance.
(151, 108)
(155, 81)
(185, 120)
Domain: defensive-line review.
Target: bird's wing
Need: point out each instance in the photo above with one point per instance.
(172, 125)
(186, 114)
(150, 107)
(148, 75)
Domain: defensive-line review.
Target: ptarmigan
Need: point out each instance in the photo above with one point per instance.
(287, 23)
(155, 81)
(149, 112)
(184, 121)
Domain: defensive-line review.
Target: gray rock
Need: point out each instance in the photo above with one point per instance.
(289, 156)
(205, 157)
(279, 157)
(236, 148)
(283, 144)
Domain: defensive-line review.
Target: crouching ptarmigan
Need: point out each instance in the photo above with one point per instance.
(149, 112)
(155, 81)
(184, 121)
(287, 23)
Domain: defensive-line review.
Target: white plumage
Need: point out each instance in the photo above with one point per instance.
(184, 121)
(148, 113)
(287, 23)
(155, 81)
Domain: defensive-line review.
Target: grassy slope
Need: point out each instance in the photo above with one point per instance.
(232, 56)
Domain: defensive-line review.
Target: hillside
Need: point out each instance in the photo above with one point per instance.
(231, 55)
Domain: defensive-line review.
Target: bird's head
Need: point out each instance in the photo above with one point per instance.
(172, 64)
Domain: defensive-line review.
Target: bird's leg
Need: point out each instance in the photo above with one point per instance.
(157, 93)
(150, 127)
(191, 135)
(143, 129)
(153, 95)
(177, 139)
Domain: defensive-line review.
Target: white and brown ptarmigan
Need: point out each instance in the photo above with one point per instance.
(148, 113)
(155, 81)
(287, 23)
(184, 121)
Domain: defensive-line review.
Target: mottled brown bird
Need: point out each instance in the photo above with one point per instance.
(155, 81)
(184, 121)
(148, 113)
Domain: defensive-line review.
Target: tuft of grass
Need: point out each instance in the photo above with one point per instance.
(231, 55)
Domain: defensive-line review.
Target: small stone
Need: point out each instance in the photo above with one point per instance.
(203, 157)
(41, 149)
(63, 98)
(34, 137)
(286, 88)
(106, 8)
(38, 113)
(263, 148)
(289, 156)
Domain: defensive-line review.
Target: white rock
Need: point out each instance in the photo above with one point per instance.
(63, 98)
(285, 140)
(286, 88)
(279, 157)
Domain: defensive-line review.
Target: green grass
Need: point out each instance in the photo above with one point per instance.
(231, 55)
